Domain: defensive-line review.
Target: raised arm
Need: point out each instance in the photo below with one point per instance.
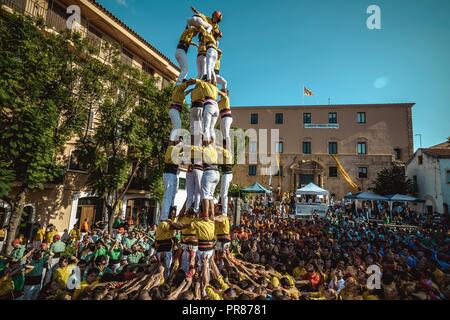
(175, 294)
(197, 291)
(222, 94)
(195, 10)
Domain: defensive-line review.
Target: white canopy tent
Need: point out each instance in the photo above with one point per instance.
(307, 209)
(312, 189)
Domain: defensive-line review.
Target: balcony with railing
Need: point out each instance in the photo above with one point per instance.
(36, 9)
(55, 19)
(126, 59)
(16, 5)
(94, 40)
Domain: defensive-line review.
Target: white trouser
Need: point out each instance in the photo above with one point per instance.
(175, 117)
(1, 246)
(170, 190)
(182, 60)
(166, 259)
(210, 179)
(49, 273)
(220, 246)
(201, 66)
(211, 59)
(224, 186)
(210, 116)
(197, 177)
(196, 125)
(190, 189)
(225, 128)
(199, 22)
(200, 255)
(186, 256)
(221, 80)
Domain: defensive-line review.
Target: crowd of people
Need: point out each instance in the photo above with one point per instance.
(263, 258)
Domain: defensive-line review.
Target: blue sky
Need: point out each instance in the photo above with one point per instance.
(272, 48)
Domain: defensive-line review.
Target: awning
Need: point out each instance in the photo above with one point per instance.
(367, 196)
(256, 188)
(402, 198)
(312, 189)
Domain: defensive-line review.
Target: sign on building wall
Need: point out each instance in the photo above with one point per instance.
(322, 126)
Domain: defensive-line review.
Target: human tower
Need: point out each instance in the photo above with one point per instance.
(205, 227)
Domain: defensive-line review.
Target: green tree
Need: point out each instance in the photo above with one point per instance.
(235, 190)
(131, 129)
(41, 106)
(392, 181)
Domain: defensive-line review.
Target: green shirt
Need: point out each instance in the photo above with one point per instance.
(19, 281)
(101, 252)
(58, 247)
(144, 245)
(115, 254)
(86, 257)
(38, 267)
(70, 251)
(135, 257)
(18, 253)
(129, 242)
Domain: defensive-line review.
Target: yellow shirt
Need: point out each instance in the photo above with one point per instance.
(316, 296)
(173, 155)
(197, 94)
(62, 274)
(164, 231)
(438, 276)
(275, 282)
(299, 272)
(208, 38)
(205, 89)
(211, 294)
(225, 155)
(224, 104)
(40, 235)
(201, 47)
(290, 278)
(178, 95)
(293, 293)
(222, 227)
(75, 233)
(210, 155)
(83, 286)
(189, 231)
(50, 235)
(188, 35)
(204, 229)
(6, 286)
(168, 155)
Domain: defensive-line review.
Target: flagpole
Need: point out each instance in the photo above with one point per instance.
(303, 94)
